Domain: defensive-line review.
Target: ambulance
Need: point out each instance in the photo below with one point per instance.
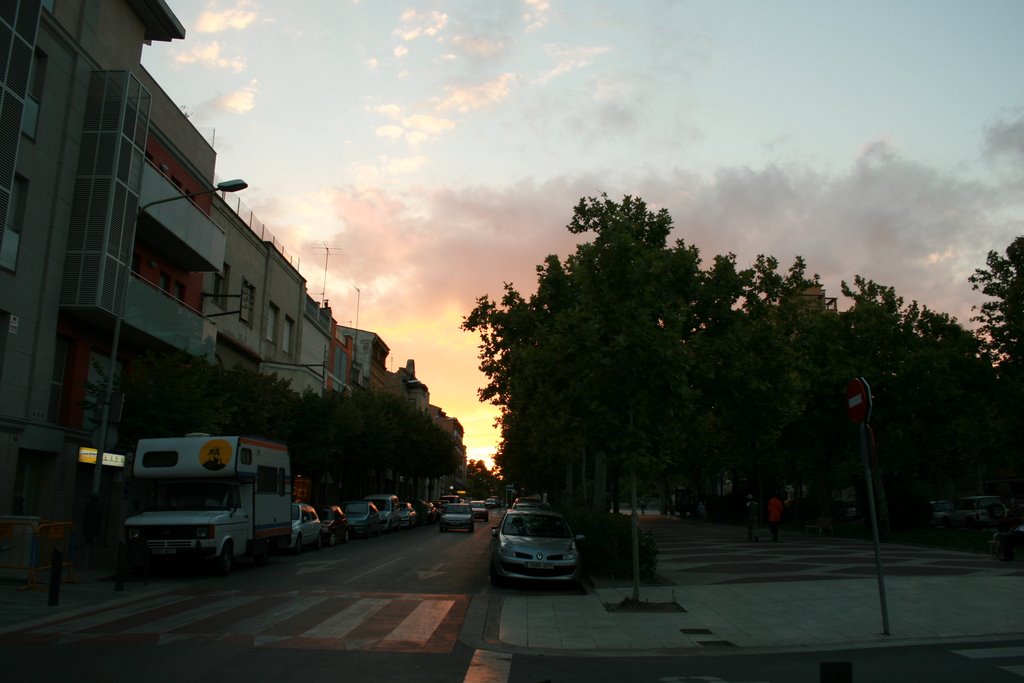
(216, 498)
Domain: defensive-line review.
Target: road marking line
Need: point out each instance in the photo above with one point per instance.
(991, 652)
(489, 667)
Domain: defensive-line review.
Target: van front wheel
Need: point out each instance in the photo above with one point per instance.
(225, 560)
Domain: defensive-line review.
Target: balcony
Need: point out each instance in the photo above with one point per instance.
(151, 312)
(180, 231)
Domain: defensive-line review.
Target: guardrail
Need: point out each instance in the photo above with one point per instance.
(36, 547)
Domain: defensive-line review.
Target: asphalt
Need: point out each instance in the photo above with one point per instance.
(715, 592)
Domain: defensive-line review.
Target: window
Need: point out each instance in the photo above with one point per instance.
(11, 239)
(267, 479)
(247, 302)
(165, 282)
(179, 291)
(286, 334)
(271, 331)
(222, 286)
(30, 118)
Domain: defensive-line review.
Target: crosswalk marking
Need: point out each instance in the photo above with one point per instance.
(421, 624)
(302, 619)
(347, 619)
(266, 620)
(109, 616)
(191, 616)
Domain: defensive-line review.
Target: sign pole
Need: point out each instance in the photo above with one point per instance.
(859, 403)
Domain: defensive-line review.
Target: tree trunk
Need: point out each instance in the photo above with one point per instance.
(600, 474)
(635, 532)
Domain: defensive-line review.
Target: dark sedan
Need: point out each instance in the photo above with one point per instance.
(333, 524)
(363, 518)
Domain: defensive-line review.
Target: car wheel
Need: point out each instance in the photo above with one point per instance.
(332, 539)
(344, 535)
(996, 510)
(319, 542)
(298, 545)
(225, 560)
(378, 531)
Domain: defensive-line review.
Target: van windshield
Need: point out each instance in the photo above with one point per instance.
(190, 495)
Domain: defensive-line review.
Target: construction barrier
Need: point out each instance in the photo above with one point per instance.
(27, 549)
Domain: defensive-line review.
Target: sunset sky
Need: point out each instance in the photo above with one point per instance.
(437, 149)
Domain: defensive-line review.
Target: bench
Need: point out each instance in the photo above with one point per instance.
(820, 524)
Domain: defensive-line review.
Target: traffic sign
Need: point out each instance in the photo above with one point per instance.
(858, 400)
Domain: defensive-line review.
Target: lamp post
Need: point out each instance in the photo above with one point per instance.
(100, 434)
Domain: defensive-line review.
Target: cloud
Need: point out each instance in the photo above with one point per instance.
(372, 63)
(209, 55)
(1004, 139)
(430, 25)
(390, 132)
(468, 98)
(477, 46)
(240, 101)
(536, 16)
(569, 59)
(401, 51)
(425, 123)
(237, 18)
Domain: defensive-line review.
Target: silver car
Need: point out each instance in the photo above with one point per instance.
(456, 516)
(534, 544)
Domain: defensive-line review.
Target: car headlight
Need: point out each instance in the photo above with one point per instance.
(506, 550)
(203, 532)
(134, 534)
(571, 553)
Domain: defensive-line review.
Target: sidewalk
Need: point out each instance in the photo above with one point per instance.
(805, 592)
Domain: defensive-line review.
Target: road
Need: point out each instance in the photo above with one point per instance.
(411, 606)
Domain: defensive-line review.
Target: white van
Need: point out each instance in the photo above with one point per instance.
(212, 497)
(386, 504)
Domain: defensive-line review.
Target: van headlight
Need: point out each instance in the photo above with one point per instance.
(204, 532)
(134, 533)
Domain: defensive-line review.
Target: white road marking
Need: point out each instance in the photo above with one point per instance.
(489, 667)
(191, 616)
(421, 622)
(347, 619)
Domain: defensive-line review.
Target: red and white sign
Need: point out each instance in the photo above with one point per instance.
(858, 400)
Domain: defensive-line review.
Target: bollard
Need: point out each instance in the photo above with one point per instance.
(56, 569)
(836, 672)
(121, 560)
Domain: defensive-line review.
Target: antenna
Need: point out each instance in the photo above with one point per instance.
(325, 249)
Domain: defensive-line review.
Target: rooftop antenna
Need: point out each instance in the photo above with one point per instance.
(326, 250)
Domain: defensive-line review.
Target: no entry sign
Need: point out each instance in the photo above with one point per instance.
(858, 400)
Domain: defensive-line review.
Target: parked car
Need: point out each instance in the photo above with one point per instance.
(941, 509)
(333, 524)
(977, 512)
(426, 512)
(386, 504)
(305, 528)
(456, 516)
(363, 518)
(533, 544)
(406, 515)
(480, 510)
(529, 502)
(492, 502)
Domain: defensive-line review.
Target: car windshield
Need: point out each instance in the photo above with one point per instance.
(545, 526)
(356, 508)
(457, 509)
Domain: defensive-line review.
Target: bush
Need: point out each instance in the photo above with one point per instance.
(607, 549)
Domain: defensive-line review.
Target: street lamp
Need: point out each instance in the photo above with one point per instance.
(100, 434)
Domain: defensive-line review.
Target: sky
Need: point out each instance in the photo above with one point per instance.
(415, 156)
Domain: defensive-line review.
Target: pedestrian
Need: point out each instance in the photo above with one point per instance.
(775, 516)
(1007, 542)
(702, 513)
(752, 515)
